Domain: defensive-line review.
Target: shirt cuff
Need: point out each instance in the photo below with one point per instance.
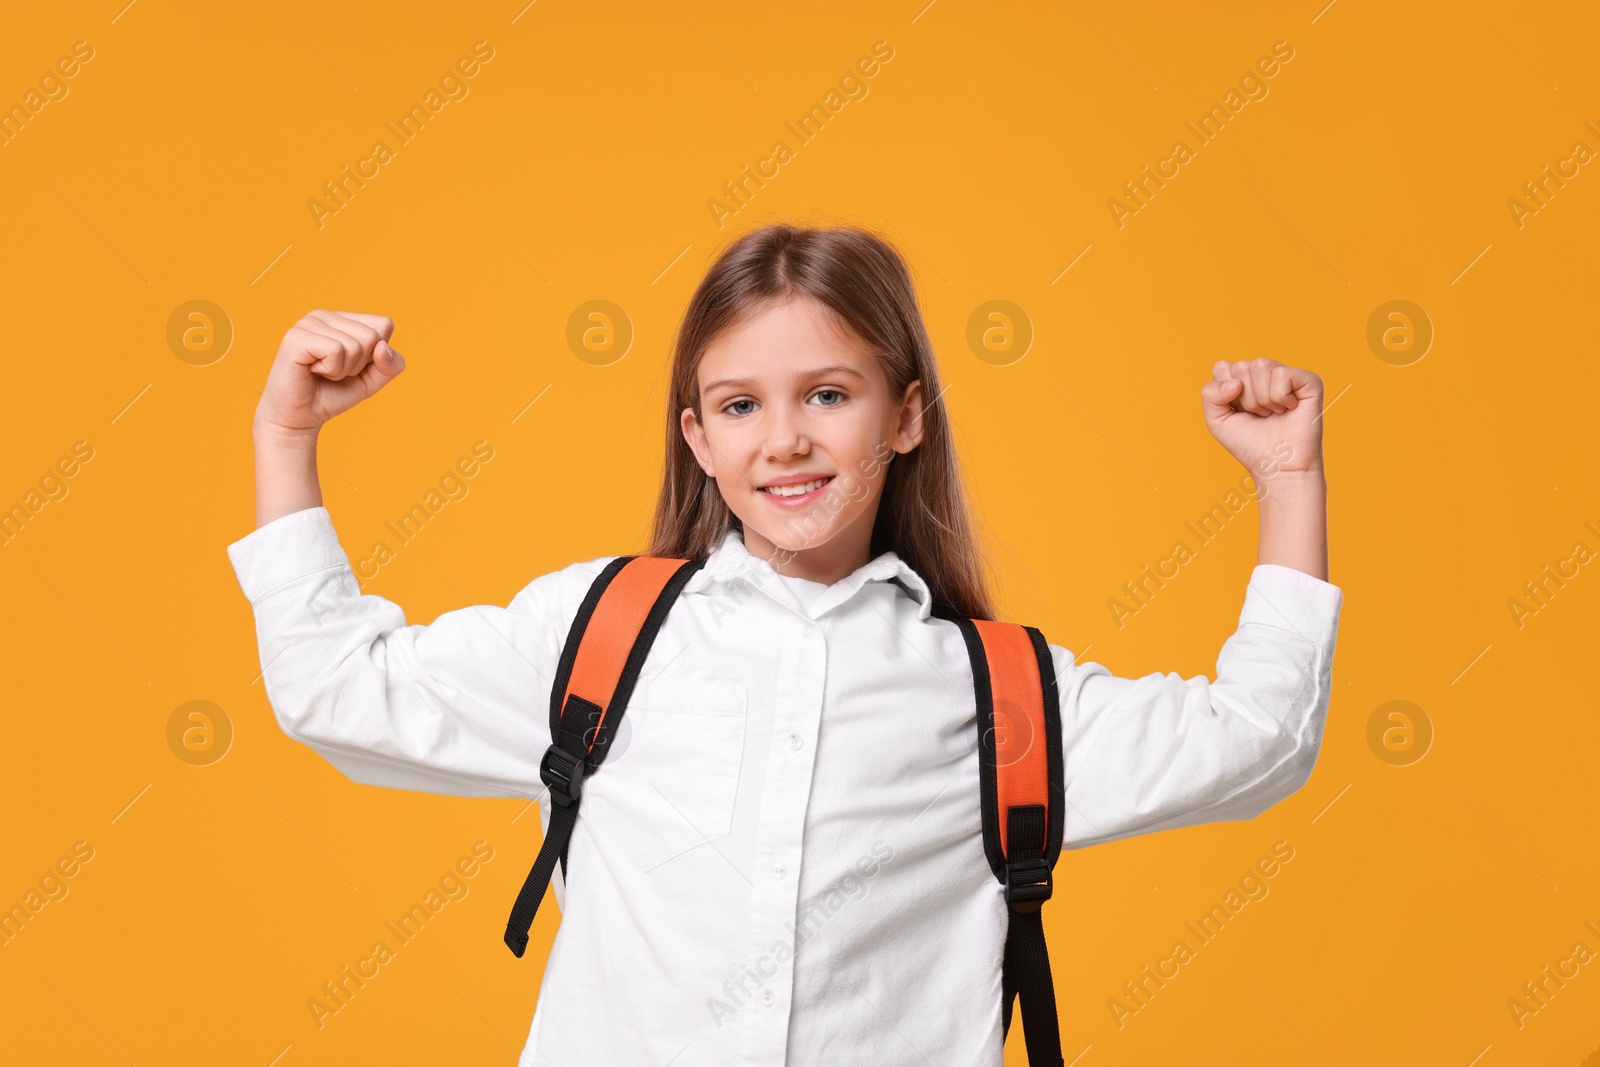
(289, 547)
(1291, 599)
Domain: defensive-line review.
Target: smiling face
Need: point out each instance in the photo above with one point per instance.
(799, 426)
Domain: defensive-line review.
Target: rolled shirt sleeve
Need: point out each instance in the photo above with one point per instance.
(1163, 751)
(458, 707)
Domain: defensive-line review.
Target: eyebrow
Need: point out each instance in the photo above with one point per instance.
(820, 372)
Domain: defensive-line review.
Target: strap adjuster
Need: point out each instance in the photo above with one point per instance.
(563, 773)
(1029, 884)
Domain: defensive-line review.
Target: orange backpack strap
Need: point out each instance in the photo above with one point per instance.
(610, 637)
(1023, 791)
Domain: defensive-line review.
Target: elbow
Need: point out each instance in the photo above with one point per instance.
(302, 725)
(335, 692)
(299, 728)
(1292, 772)
(308, 711)
(1307, 743)
(1302, 761)
(1295, 744)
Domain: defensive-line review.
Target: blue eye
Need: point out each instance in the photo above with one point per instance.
(729, 408)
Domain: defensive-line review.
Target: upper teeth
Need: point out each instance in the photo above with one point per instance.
(794, 490)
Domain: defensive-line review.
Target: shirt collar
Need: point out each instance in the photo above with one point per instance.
(730, 562)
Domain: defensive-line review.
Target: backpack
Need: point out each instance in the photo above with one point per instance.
(1017, 706)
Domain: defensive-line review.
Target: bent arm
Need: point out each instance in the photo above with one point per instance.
(458, 707)
(1160, 752)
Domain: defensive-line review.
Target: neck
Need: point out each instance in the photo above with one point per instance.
(840, 556)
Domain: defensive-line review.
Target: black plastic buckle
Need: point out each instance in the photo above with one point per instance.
(1028, 884)
(563, 774)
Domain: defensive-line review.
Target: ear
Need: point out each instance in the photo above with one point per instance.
(908, 433)
(695, 435)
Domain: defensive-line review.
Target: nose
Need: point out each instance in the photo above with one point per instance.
(786, 436)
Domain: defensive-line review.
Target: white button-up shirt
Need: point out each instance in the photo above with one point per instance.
(781, 859)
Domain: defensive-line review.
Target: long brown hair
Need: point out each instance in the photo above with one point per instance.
(923, 514)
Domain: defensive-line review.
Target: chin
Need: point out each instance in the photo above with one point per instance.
(802, 533)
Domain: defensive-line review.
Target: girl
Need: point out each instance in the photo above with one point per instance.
(781, 859)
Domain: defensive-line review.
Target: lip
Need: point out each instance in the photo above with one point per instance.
(794, 479)
(792, 502)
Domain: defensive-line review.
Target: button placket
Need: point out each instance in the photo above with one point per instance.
(797, 711)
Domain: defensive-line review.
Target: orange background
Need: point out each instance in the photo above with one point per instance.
(579, 167)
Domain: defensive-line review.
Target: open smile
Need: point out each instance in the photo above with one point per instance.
(796, 494)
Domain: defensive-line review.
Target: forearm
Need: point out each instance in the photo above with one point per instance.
(1294, 521)
(286, 472)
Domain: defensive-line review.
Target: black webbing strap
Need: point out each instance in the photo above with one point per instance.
(581, 731)
(594, 736)
(1026, 971)
(562, 769)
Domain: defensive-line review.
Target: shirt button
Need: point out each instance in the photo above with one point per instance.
(778, 869)
(794, 741)
(809, 630)
(767, 997)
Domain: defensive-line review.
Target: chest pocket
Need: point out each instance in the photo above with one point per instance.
(669, 783)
